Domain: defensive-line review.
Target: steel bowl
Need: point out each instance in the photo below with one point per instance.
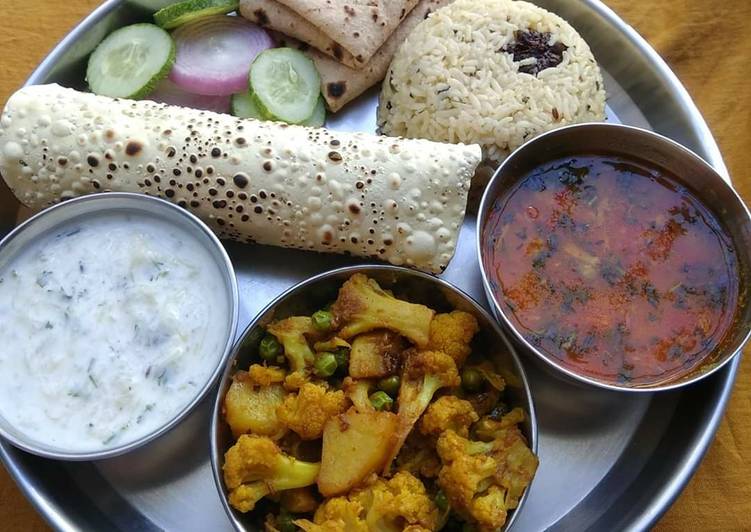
(656, 150)
(52, 219)
(312, 294)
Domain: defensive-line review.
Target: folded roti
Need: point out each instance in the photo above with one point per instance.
(351, 31)
(278, 17)
(397, 200)
(341, 84)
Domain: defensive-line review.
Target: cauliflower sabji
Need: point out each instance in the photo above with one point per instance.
(408, 433)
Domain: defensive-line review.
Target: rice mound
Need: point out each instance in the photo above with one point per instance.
(455, 78)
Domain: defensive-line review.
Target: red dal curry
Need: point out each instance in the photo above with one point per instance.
(612, 268)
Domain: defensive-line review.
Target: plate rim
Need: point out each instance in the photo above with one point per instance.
(55, 514)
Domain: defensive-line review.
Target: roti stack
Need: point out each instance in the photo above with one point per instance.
(351, 32)
(352, 44)
(401, 201)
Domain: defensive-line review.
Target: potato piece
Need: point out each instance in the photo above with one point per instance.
(376, 354)
(355, 444)
(250, 409)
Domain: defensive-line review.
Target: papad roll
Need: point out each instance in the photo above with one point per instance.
(397, 200)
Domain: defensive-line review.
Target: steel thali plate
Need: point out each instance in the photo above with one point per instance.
(608, 460)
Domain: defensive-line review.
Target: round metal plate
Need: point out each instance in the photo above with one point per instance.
(607, 460)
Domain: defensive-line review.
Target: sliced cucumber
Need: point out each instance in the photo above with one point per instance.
(130, 61)
(242, 105)
(178, 14)
(285, 84)
(318, 118)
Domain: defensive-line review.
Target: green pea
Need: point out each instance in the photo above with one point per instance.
(325, 364)
(472, 380)
(323, 320)
(381, 401)
(342, 359)
(441, 501)
(269, 348)
(285, 522)
(390, 385)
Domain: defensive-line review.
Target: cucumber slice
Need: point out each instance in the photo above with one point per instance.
(175, 15)
(318, 118)
(130, 61)
(285, 84)
(242, 105)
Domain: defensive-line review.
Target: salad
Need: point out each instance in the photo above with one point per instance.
(198, 54)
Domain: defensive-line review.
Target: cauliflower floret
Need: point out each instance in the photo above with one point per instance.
(295, 380)
(489, 429)
(424, 373)
(489, 508)
(402, 499)
(255, 467)
(385, 506)
(336, 515)
(467, 474)
(251, 407)
(358, 391)
(363, 306)
(448, 412)
(452, 334)
(519, 463)
(265, 375)
(418, 456)
(293, 334)
(245, 497)
(430, 365)
(308, 411)
(483, 480)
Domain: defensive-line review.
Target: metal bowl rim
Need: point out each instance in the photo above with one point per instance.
(191, 224)
(488, 197)
(216, 417)
(58, 515)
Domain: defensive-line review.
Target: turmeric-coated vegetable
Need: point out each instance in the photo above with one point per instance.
(483, 480)
(452, 334)
(448, 412)
(307, 412)
(251, 402)
(355, 445)
(255, 467)
(401, 503)
(425, 372)
(363, 306)
(292, 332)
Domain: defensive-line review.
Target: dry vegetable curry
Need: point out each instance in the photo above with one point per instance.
(374, 414)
